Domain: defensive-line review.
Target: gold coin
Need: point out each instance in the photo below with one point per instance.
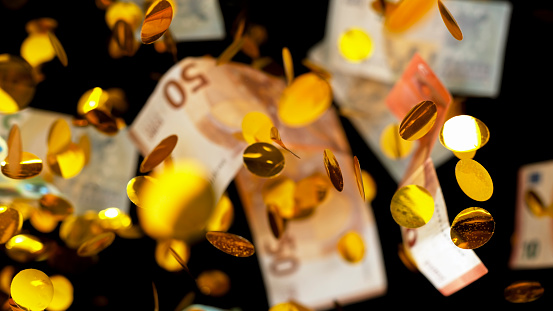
(305, 100)
(418, 121)
(276, 222)
(32, 289)
(30, 166)
(186, 301)
(392, 145)
(43, 221)
(36, 49)
(309, 193)
(136, 188)
(317, 69)
(358, 177)
(113, 219)
(230, 52)
(165, 257)
(129, 12)
(406, 258)
(213, 283)
(369, 186)
(222, 216)
(130, 232)
(355, 45)
(288, 65)
(450, 22)
(535, 204)
(122, 35)
(6, 276)
(464, 133)
(96, 244)
(58, 48)
(279, 192)
(56, 206)
(231, 244)
(157, 20)
(256, 127)
(102, 121)
(67, 163)
(11, 222)
(333, 170)
(263, 160)
(41, 25)
(407, 14)
(351, 247)
(412, 206)
(86, 146)
(95, 98)
(63, 293)
(472, 228)
(523, 291)
(17, 84)
(465, 155)
(75, 230)
(15, 151)
(25, 206)
(24, 248)
(275, 136)
(159, 153)
(474, 180)
(59, 136)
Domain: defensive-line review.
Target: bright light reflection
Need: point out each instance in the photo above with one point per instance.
(461, 133)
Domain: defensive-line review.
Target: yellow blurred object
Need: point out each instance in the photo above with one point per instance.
(351, 247)
(355, 45)
(256, 127)
(406, 14)
(166, 259)
(37, 49)
(63, 293)
(129, 12)
(24, 248)
(32, 289)
(11, 222)
(222, 216)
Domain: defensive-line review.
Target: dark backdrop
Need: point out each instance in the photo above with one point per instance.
(519, 121)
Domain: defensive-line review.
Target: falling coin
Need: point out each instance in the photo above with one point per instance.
(288, 65)
(59, 136)
(129, 12)
(136, 186)
(43, 221)
(15, 152)
(24, 248)
(472, 228)
(213, 283)
(256, 127)
(418, 121)
(333, 170)
(309, 193)
(17, 84)
(315, 68)
(58, 48)
(231, 244)
(157, 20)
(369, 186)
(305, 100)
(186, 301)
(32, 289)
(412, 206)
(165, 257)
(275, 136)
(279, 192)
(11, 222)
(358, 177)
(465, 155)
(392, 145)
(406, 258)
(102, 121)
(63, 293)
(96, 244)
(355, 45)
(230, 52)
(37, 49)
(523, 291)
(57, 206)
(85, 144)
(30, 166)
(263, 160)
(535, 204)
(123, 36)
(67, 163)
(450, 22)
(464, 133)
(75, 230)
(474, 180)
(6, 276)
(222, 216)
(113, 219)
(159, 153)
(406, 14)
(276, 222)
(95, 98)
(351, 247)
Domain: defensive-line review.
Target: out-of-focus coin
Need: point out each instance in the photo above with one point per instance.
(214, 283)
(464, 133)
(58, 48)
(159, 153)
(392, 145)
(231, 244)
(355, 45)
(288, 65)
(63, 293)
(96, 244)
(32, 289)
(351, 247)
(450, 22)
(523, 291)
(333, 170)
(11, 222)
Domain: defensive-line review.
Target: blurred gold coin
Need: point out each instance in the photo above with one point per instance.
(95, 98)
(186, 301)
(369, 186)
(86, 146)
(288, 65)
(392, 145)
(450, 22)
(305, 100)
(333, 170)
(123, 36)
(159, 153)
(275, 136)
(17, 84)
(358, 177)
(256, 127)
(32, 289)
(24, 206)
(309, 193)
(535, 204)
(24, 248)
(213, 283)
(58, 48)
(351, 247)
(230, 52)
(263, 159)
(114, 219)
(523, 291)
(15, 152)
(317, 69)
(6, 276)
(412, 206)
(166, 259)
(127, 11)
(464, 133)
(136, 188)
(279, 192)
(36, 49)
(30, 166)
(406, 14)
(276, 222)
(231, 244)
(102, 121)
(474, 180)
(56, 205)
(418, 121)
(355, 45)
(59, 136)
(67, 163)
(96, 244)
(157, 20)
(131, 232)
(465, 155)
(75, 230)
(223, 215)
(472, 228)
(43, 221)
(41, 25)
(11, 222)
(63, 293)
(406, 258)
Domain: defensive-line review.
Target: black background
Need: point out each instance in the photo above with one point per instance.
(120, 279)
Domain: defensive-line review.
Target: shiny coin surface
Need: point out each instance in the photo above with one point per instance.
(136, 188)
(523, 291)
(58, 48)
(11, 222)
(355, 45)
(474, 180)
(113, 219)
(263, 159)
(67, 163)
(29, 166)
(56, 206)
(24, 248)
(157, 20)
(412, 206)
(351, 247)
(418, 121)
(32, 289)
(59, 136)
(127, 11)
(464, 133)
(102, 121)
(159, 153)
(214, 283)
(231, 244)
(333, 170)
(450, 22)
(472, 228)
(535, 204)
(96, 244)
